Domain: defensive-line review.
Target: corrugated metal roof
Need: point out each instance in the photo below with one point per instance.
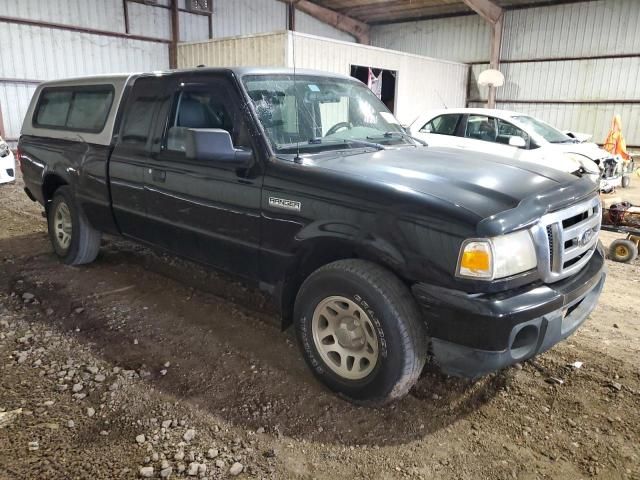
(388, 11)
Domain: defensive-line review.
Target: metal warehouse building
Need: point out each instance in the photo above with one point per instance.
(571, 63)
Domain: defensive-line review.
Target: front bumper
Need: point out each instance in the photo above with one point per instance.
(475, 334)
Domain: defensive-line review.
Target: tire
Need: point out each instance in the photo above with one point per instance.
(387, 322)
(623, 251)
(626, 181)
(74, 240)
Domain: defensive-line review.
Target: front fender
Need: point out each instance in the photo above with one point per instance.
(363, 243)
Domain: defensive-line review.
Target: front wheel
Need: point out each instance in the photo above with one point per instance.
(361, 331)
(74, 240)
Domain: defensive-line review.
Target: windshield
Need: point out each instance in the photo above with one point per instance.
(544, 130)
(317, 113)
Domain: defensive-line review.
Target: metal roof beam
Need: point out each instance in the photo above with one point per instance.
(493, 14)
(488, 10)
(337, 20)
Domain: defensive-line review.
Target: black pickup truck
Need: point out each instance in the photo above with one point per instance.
(382, 251)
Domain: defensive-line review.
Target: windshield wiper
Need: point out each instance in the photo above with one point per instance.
(317, 143)
(364, 143)
(402, 135)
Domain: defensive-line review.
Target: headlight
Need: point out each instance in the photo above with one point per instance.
(4, 149)
(497, 257)
(587, 165)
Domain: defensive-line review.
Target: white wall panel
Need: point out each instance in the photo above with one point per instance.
(44, 53)
(14, 101)
(307, 24)
(193, 27)
(577, 29)
(461, 39)
(149, 21)
(258, 50)
(600, 79)
(245, 17)
(98, 14)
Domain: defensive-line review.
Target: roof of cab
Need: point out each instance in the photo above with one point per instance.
(123, 78)
(244, 71)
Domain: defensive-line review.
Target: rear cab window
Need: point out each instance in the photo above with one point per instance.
(77, 108)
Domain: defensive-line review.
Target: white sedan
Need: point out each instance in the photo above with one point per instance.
(517, 136)
(7, 163)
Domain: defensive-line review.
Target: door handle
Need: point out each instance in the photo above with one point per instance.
(158, 175)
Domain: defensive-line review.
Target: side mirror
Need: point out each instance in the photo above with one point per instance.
(215, 145)
(516, 141)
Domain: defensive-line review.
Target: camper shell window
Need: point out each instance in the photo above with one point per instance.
(78, 109)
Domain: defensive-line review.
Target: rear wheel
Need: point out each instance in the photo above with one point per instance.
(361, 331)
(74, 240)
(624, 251)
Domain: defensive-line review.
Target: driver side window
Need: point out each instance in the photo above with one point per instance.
(203, 109)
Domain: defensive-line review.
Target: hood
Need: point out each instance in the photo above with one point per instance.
(588, 149)
(471, 183)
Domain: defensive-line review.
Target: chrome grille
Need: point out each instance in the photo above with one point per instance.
(566, 239)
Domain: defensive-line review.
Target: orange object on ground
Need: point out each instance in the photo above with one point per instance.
(615, 142)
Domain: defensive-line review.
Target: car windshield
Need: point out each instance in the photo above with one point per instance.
(544, 130)
(315, 113)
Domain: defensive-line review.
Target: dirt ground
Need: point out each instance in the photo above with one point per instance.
(144, 360)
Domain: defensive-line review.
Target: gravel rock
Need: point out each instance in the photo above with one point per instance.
(71, 424)
(166, 424)
(192, 471)
(212, 453)
(236, 469)
(27, 297)
(33, 446)
(179, 456)
(92, 370)
(77, 387)
(189, 435)
(140, 439)
(220, 464)
(100, 378)
(91, 412)
(166, 472)
(146, 472)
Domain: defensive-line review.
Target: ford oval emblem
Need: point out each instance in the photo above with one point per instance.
(586, 237)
